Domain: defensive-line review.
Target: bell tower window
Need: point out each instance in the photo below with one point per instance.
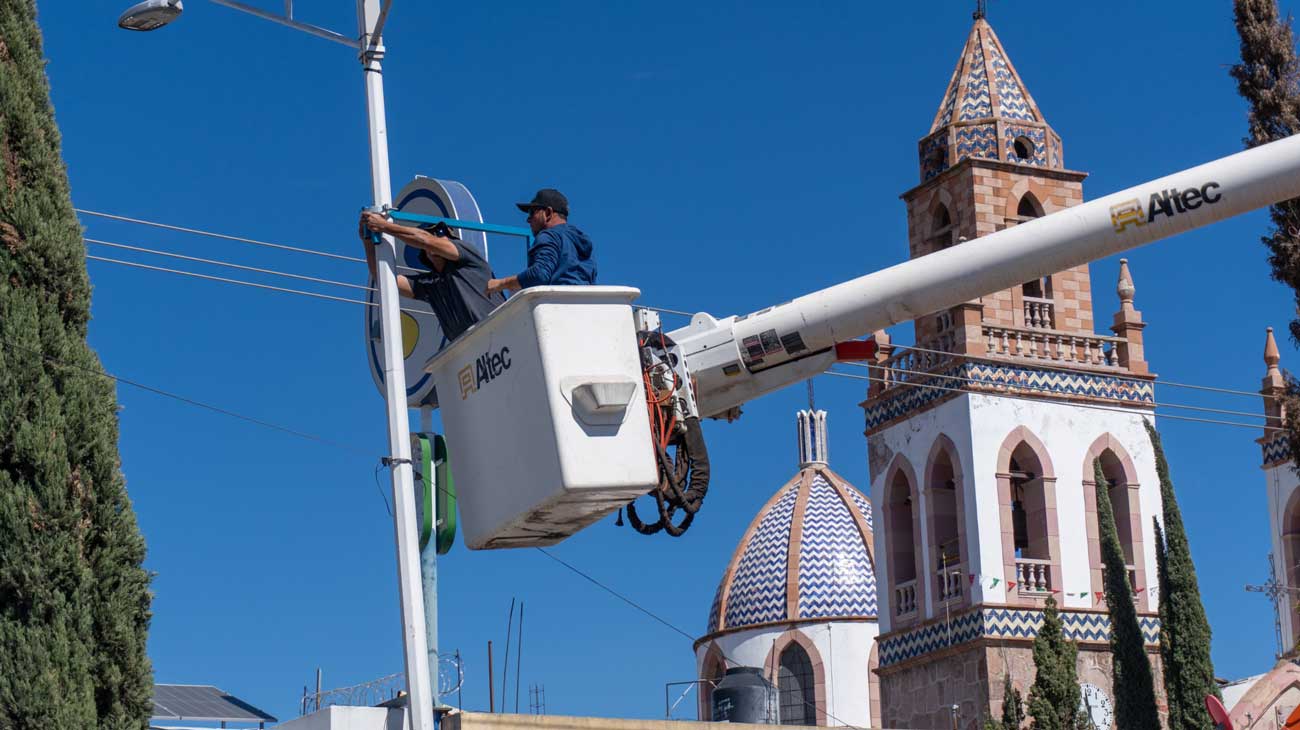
(1029, 522)
(941, 229)
(1024, 149)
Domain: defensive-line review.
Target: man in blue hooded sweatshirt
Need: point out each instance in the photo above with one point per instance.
(561, 254)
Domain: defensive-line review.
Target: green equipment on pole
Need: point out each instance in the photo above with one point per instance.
(435, 492)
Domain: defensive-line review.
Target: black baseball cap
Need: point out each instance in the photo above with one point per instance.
(440, 229)
(547, 198)
(437, 229)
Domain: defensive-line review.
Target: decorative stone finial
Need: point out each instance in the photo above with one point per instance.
(812, 438)
(1125, 288)
(1271, 356)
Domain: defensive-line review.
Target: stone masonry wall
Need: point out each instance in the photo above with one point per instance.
(919, 693)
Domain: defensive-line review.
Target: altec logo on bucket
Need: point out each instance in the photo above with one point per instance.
(1166, 202)
(488, 367)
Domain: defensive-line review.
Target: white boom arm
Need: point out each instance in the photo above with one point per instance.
(735, 359)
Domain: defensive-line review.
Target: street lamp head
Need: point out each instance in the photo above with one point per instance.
(150, 14)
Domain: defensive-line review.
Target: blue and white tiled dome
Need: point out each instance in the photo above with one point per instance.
(808, 552)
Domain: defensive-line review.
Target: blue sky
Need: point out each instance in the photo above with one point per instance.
(724, 156)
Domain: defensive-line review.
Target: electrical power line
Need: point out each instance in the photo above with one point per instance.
(1026, 386)
(1064, 369)
(255, 285)
(1048, 367)
(241, 282)
(297, 249)
(217, 262)
(1111, 409)
(183, 399)
(727, 659)
(223, 236)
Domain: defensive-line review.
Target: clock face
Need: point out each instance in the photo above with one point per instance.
(1096, 706)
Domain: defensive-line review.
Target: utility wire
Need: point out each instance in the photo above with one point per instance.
(829, 372)
(614, 593)
(1064, 369)
(1048, 367)
(240, 282)
(728, 660)
(1109, 409)
(228, 264)
(657, 309)
(1026, 386)
(183, 399)
(255, 285)
(222, 236)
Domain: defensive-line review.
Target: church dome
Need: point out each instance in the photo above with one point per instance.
(808, 552)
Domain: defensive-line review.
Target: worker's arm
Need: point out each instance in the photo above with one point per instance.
(435, 245)
(510, 283)
(403, 283)
(543, 257)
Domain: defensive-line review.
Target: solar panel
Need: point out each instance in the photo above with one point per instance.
(202, 702)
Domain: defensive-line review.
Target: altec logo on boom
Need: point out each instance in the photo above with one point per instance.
(1166, 202)
(488, 367)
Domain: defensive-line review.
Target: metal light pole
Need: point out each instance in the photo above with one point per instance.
(371, 17)
(419, 688)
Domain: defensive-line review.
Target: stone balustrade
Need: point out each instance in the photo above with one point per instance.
(1098, 351)
(948, 583)
(1033, 575)
(1040, 313)
(905, 598)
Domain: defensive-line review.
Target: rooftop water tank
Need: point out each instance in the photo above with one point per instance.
(744, 695)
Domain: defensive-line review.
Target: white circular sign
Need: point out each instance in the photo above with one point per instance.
(422, 335)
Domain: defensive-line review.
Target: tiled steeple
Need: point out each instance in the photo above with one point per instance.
(988, 113)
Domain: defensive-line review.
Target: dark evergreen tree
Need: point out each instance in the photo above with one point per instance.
(1135, 692)
(1166, 630)
(1268, 78)
(74, 598)
(1013, 707)
(1054, 696)
(1185, 631)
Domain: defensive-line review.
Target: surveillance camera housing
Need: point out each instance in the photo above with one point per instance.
(150, 14)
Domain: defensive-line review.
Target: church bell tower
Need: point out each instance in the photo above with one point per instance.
(981, 439)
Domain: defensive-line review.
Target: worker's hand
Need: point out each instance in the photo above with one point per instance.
(496, 285)
(374, 222)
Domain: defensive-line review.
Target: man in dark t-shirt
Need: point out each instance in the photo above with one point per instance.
(455, 285)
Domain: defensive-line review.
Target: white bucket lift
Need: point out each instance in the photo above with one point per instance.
(544, 408)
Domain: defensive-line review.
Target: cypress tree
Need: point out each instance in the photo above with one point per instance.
(1135, 693)
(1167, 629)
(1189, 671)
(74, 597)
(1268, 78)
(1054, 696)
(1013, 707)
